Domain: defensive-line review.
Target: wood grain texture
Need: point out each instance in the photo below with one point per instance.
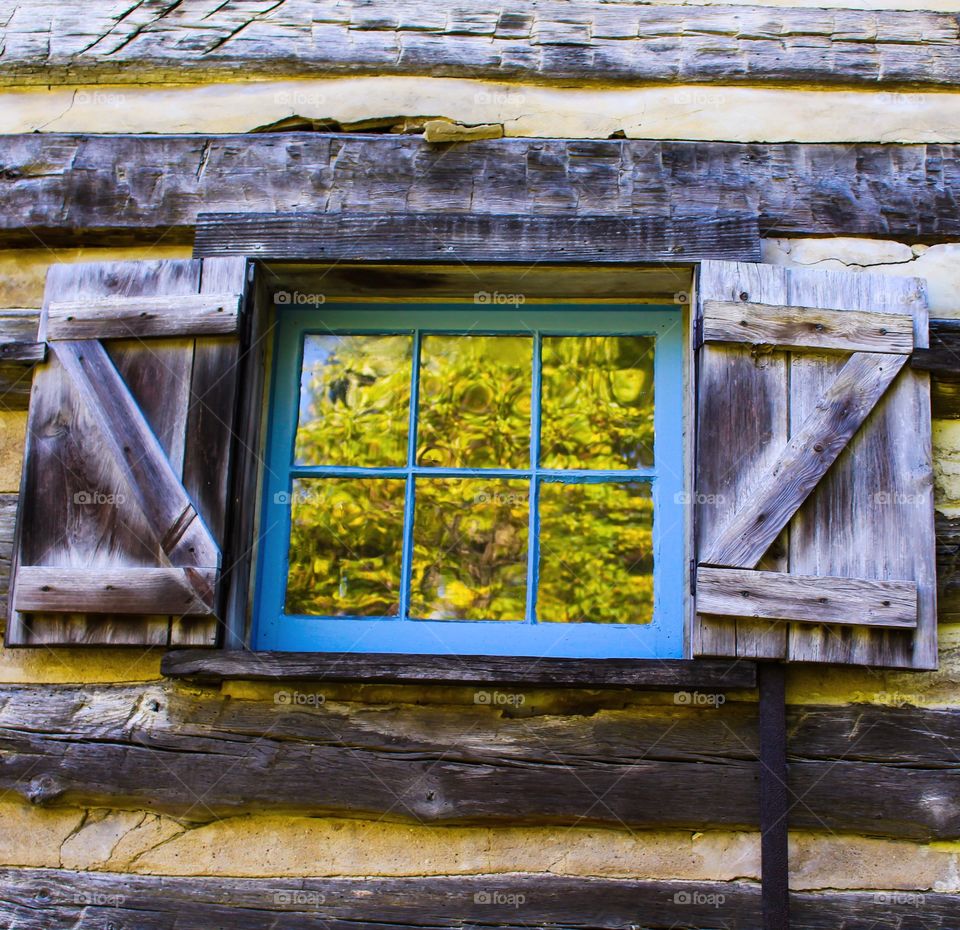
(872, 515)
(652, 674)
(143, 317)
(732, 592)
(91, 509)
(474, 237)
(58, 899)
(742, 423)
(948, 568)
(813, 447)
(775, 800)
(119, 590)
(64, 189)
(802, 327)
(198, 754)
(548, 40)
(137, 453)
(19, 351)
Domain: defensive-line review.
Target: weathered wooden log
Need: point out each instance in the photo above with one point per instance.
(554, 40)
(202, 665)
(470, 237)
(58, 899)
(199, 755)
(103, 189)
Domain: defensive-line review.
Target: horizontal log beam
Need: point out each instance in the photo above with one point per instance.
(59, 899)
(615, 42)
(806, 328)
(197, 754)
(202, 665)
(63, 189)
(144, 317)
(730, 592)
(471, 237)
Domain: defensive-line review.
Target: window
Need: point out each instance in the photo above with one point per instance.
(444, 479)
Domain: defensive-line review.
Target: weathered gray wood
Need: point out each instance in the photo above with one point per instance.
(742, 423)
(476, 237)
(22, 351)
(8, 524)
(142, 317)
(59, 899)
(64, 188)
(88, 508)
(732, 592)
(119, 590)
(802, 327)
(198, 754)
(152, 480)
(646, 674)
(812, 449)
(872, 514)
(948, 568)
(19, 350)
(542, 41)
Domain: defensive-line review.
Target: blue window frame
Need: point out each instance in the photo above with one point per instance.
(295, 480)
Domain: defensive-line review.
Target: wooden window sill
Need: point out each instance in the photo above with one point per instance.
(210, 666)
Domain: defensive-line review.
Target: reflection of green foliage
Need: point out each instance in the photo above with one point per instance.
(354, 400)
(475, 401)
(346, 541)
(470, 535)
(597, 402)
(470, 549)
(596, 553)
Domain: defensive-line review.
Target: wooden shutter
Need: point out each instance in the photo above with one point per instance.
(814, 483)
(123, 503)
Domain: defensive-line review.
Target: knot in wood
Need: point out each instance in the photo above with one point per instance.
(44, 789)
(744, 295)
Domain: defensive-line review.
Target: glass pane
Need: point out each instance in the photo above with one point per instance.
(346, 542)
(354, 400)
(470, 549)
(597, 402)
(596, 553)
(475, 401)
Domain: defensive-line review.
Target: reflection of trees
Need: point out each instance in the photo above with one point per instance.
(346, 541)
(597, 402)
(471, 535)
(470, 549)
(596, 553)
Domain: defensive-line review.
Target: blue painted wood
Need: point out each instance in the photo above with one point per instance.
(661, 638)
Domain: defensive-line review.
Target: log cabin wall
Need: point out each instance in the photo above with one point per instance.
(838, 124)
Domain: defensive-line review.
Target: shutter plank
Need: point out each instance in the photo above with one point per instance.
(142, 317)
(156, 487)
(802, 327)
(210, 422)
(742, 424)
(823, 435)
(807, 599)
(120, 590)
(872, 514)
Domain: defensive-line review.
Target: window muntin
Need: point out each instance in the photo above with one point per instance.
(506, 431)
